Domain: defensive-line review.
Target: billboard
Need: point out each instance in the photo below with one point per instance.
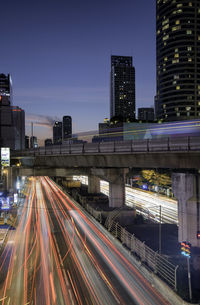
(5, 156)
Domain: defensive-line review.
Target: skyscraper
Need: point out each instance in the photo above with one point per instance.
(57, 133)
(19, 127)
(178, 59)
(122, 87)
(67, 127)
(7, 136)
(6, 89)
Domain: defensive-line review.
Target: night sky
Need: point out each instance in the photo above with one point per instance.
(58, 54)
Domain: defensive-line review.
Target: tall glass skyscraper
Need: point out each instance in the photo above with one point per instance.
(122, 87)
(57, 133)
(67, 127)
(178, 59)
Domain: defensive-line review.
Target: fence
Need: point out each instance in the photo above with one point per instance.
(158, 263)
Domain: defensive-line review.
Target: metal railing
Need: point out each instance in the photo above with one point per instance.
(96, 214)
(156, 262)
(189, 143)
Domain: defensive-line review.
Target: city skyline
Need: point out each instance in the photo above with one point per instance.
(59, 58)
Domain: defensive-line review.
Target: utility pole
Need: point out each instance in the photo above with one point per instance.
(160, 232)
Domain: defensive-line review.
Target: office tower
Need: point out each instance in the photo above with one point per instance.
(57, 133)
(5, 89)
(122, 88)
(48, 142)
(27, 142)
(67, 127)
(19, 127)
(7, 136)
(33, 142)
(12, 118)
(146, 114)
(178, 60)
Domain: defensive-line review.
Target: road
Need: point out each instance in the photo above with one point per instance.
(60, 255)
(151, 205)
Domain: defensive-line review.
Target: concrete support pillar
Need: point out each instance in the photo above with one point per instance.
(186, 188)
(117, 188)
(93, 184)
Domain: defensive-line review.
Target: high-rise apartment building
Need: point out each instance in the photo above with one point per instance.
(67, 127)
(178, 59)
(122, 87)
(57, 133)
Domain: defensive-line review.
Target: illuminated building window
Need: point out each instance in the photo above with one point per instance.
(189, 48)
(165, 37)
(198, 103)
(175, 61)
(178, 114)
(165, 21)
(190, 59)
(176, 50)
(176, 28)
(165, 58)
(178, 87)
(188, 32)
(190, 4)
(174, 82)
(164, 106)
(198, 37)
(158, 32)
(165, 27)
(188, 108)
(179, 5)
(176, 109)
(176, 76)
(177, 21)
(176, 55)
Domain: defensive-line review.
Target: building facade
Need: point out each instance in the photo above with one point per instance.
(57, 133)
(178, 59)
(33, 142)
(19, 127)
(146, 114)
(12, 122)
(67, 127)
(122, 88)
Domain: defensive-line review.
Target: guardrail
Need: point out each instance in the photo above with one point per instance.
(157, 263)
(190, 143)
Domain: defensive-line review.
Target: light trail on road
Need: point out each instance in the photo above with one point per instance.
(60, 255)
(146, 203)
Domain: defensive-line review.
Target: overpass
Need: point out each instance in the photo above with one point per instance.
(111, 161)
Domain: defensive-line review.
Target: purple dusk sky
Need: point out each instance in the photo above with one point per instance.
(58, 54)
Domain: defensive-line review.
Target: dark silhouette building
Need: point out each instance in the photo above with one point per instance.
(33, 142)
(67, 127)
(48, 142)
(27, 142)
(12, 118)
(146, 114)
(57, 133)
(19, 127)
(122, 88)
(178, 60)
